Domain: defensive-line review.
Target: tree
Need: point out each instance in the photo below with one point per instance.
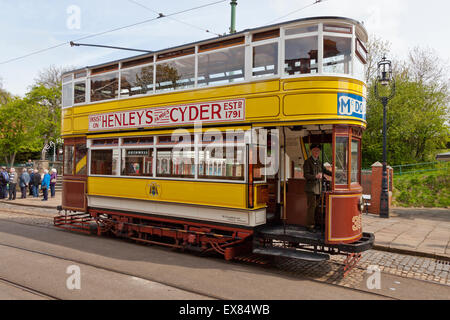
(418, 115)
(47, 103)
(51, 77)
(17, 129)
(377, 48)
(4, 95)
(46, 95)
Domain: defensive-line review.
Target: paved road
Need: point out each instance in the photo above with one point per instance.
(127, 270)
(36, 256)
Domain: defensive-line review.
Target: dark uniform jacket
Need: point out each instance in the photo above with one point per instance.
(37, 179)
(311, 168)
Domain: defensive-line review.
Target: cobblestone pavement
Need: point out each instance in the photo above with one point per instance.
(332, 271)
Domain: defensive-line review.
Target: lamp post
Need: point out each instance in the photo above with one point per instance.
(384, 77)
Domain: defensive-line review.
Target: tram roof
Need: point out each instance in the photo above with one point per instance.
(228, 36)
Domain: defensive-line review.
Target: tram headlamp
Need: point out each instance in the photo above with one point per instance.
(361, 204)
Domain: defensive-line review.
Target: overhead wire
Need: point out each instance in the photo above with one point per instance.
(109, 31)
(298, 10)
(161, 15)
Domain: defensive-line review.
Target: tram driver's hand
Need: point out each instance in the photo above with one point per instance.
(319, 176)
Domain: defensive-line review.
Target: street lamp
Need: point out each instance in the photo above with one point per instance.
(384, 77)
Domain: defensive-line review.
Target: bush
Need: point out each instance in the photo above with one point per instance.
(422, 190)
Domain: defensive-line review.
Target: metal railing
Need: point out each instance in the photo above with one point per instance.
(421, 167)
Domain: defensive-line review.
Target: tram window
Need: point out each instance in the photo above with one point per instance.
(360, 61)
(355, 161)
(67, 78)
(105, 142)
(79, 92)
(136, 81)
(339, 29)
(230, 136)
(259, 168)
(141, 140)
(336, 54)
(137, 162)
(175, 162)
(176, 74)
(175, 139)
(67, 94)
(341, 164)
(80, 159)
(102, 162)
(68, 159)
(221, 162)
(104, 87)
(265, 60)
(221, 67)
(301, 55)
(299, 30)
(81, 74)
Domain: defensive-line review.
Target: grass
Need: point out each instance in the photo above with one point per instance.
(428, 189)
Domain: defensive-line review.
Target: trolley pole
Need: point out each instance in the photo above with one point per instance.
(233, 4)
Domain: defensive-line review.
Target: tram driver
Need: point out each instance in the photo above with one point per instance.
(313, 171)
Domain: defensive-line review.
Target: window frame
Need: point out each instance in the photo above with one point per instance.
(137, 67)
(196, 145)
(259, 43)
(248, 44)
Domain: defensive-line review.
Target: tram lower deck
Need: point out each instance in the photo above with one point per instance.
(222, 190)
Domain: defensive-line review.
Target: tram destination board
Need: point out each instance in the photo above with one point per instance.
(215, 111)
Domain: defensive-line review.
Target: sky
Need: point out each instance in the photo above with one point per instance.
(27, 26)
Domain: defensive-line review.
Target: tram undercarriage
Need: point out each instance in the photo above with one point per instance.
(288, 241)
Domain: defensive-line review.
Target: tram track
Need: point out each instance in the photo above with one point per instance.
(27, 289)
(286, 268)
(254, 265)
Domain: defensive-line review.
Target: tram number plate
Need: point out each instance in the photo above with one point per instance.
(356, 223)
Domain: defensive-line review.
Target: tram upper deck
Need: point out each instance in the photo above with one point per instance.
(306, 71)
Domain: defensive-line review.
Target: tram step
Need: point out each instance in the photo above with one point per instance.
(292, 253)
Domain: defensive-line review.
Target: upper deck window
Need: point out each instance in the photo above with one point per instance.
(175, 74)
(67, 94)
(136, 81)
(81, 74)
(266, 35)
(105, 87)
(221, 67)
(336, 54)
(67, 78)
(301, 55)
(265, 60)
(137, 62)
(79, 92)
(300, 30)
(338, 29)
(221, 62)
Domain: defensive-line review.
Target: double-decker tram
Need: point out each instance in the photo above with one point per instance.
(202, 146)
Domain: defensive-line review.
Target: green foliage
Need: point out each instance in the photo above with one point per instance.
(423, 190)
(48, 105)
(417, 116)
(18, 129)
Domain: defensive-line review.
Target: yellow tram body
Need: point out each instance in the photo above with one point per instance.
(280, 100)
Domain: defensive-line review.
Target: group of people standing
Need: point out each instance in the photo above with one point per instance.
(29, 179)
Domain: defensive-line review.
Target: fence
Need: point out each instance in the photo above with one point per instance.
(421, 167)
